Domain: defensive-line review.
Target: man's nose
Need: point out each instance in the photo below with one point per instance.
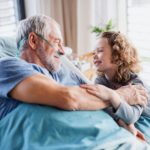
(61, 50)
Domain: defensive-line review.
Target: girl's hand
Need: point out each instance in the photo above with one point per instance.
(99, 91)
(133, 130)
(104, 93)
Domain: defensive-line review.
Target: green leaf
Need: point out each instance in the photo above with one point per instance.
(109, 25)
(99, 30)
(96, 30)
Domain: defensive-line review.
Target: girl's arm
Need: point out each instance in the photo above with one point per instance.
(129, 114)
(131, 128)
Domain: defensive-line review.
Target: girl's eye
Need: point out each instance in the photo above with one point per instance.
(100, 50)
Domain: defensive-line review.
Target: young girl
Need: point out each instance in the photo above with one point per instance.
(117, 65)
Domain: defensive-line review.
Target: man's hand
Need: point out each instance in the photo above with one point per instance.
(134, 94)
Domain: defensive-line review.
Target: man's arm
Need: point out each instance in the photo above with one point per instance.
(40, 89)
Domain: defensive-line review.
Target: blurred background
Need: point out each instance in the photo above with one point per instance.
(77, 17)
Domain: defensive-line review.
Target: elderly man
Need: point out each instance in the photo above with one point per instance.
(40, 44)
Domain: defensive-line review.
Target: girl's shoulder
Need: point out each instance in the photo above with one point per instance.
(101, 80)
(135, 79)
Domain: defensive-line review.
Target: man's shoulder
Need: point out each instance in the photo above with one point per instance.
(10, 60)
(15, 64)
(12, 66)
(3, 59)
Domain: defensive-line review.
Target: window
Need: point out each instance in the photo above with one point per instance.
(138, 29)
(8, 17)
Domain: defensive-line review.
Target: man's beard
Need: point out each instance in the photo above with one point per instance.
(49, 63)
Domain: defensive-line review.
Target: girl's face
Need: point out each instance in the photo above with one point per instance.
(103, 56)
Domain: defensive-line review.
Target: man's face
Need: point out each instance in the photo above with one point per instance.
(48, 52)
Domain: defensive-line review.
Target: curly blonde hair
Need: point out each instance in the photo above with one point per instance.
(124, 55)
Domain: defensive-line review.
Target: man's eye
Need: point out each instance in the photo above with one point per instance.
(57, 41)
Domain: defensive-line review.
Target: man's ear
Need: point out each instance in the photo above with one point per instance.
(33, 40)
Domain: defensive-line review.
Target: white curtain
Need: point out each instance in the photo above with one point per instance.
(33, 7)
(76, 18)
(85, 19)
(65, 13)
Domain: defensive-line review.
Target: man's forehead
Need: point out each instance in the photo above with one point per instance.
(55, 36)
(55, 32)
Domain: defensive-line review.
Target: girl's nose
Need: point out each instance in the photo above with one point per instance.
(94, 55)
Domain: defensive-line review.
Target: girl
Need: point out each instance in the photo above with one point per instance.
(117, 65)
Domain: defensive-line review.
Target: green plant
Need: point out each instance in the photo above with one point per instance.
(98, 30)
